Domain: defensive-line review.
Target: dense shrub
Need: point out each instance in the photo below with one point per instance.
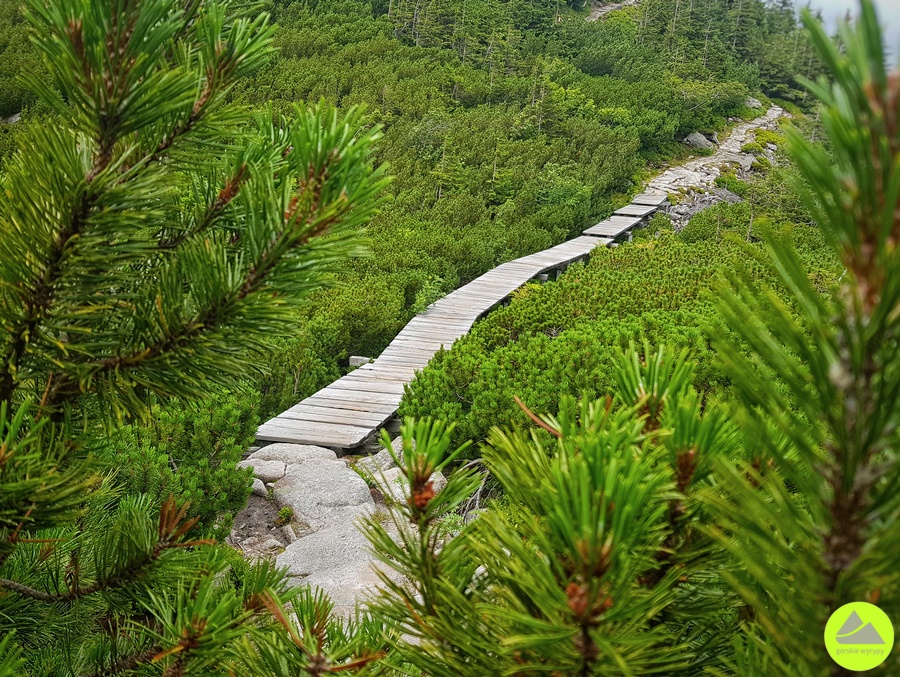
(190, 451)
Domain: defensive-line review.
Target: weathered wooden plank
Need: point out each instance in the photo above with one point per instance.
(397, 373)
(356, 395)
(361, 419)
(365, 410)
(373, 385)
(613, 226)
(652, 199)
(403, 362)
(323, 434)
(637, 210)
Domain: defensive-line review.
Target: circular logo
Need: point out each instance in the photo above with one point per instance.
(859, 636)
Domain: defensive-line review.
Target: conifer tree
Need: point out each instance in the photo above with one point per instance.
(153, 240)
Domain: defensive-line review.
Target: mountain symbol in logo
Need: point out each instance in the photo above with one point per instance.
(854, 631)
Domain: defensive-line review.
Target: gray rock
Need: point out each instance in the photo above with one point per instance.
(293, 453)
(438, 482)
(713, 138)
(753, 103)
(744, 160)
(259, 488)
(393, 484)
(336, 560)
(12, 119)
(380, 461)
(772, 147)
(316, 490)
(267, 471)
(397, 446)
(289, 534)
(697, 140)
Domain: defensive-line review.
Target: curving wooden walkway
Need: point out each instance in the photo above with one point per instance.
(348, 412)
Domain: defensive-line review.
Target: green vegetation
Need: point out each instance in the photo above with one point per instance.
(285, 515)
(661, 530)
(151, 241)
(190, 450)
(168, 261)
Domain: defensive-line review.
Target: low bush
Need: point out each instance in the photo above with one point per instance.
(190, 451)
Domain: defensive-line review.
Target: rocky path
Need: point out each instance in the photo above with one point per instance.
(320, 542)
(602, 9)
(695, 180)
(703, 172)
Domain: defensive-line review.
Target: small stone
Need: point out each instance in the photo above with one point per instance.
(697, 140)
(380, 461)
(288, 532)
(261, 546)
(395, 486)
(438, 482)
(397, 446)
(259, 488)
(267, 471)
(753, 103)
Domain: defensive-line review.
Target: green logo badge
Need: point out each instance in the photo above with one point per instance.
(859, 636)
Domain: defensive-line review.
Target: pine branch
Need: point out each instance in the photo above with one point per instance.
(66, 388)
(126, 663)
(41, 298)
(172, 527)
(229, 191)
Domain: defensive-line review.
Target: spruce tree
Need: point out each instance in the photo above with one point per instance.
(154, 241)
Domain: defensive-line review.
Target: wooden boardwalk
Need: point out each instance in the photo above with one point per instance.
(346, 413)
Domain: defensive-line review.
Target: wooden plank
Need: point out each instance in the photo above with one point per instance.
(349, 394)
(352, 417)
(613, 226)
(387, 367)
(398, 363)
(609, 231)
(397, 373)
(420, 344)
(372, 385)
(653, 199)
(426, 331)
(428, 338)
(636, 210)
(367, 408)
(394, 358)
(323, 434)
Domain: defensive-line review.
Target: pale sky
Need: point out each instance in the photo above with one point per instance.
(888, 11)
